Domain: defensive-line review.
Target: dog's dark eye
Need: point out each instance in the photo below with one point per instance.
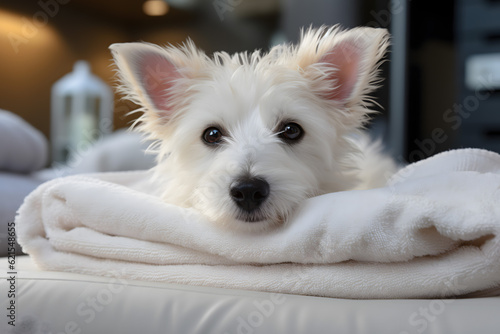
(291, 132)
(212, 135)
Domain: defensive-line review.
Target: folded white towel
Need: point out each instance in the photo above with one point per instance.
(433, 232)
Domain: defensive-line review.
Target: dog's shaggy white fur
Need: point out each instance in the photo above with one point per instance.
(245, 138)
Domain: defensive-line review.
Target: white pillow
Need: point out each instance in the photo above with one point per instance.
(23, 148)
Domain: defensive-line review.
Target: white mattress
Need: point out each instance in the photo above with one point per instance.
(56, 302)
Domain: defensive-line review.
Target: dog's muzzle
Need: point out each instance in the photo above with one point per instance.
(249, 193)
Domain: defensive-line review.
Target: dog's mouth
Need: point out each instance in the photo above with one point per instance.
(259, 218)
(251, 217)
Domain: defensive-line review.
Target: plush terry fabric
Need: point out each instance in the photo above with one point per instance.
(432, 232)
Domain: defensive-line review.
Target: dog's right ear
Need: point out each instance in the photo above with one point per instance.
(149, 74)
(343, 63)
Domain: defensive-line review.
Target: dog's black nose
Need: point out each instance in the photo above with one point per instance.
(250, 193)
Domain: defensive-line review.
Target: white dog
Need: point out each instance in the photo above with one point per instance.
(245, 138)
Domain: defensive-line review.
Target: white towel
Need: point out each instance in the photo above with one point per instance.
(433, 232)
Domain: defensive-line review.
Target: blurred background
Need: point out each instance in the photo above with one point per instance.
(442, 83)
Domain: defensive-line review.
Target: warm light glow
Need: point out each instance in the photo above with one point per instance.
(155, 7)
(10, 22)
(26, 33)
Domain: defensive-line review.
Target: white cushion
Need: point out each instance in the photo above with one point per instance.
(57, 302)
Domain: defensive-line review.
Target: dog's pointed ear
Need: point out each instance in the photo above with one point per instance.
(347, 61)
(148, 73)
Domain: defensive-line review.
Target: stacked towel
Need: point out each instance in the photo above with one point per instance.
(434, 231)
(23, 149)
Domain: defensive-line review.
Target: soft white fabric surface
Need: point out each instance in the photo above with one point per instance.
(121, 150)
(433, 232)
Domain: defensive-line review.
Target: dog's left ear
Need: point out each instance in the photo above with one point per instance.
(347, 61)
(155, 77)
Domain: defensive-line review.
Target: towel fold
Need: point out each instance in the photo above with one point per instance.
(434, 231)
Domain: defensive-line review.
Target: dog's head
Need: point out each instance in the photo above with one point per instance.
(245, 138)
